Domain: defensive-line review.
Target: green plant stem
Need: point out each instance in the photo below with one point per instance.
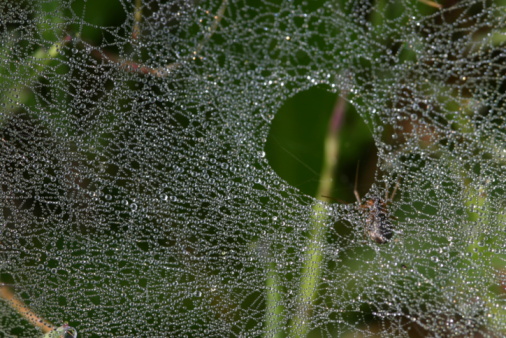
(313, 255)
(274, 309)
(481, 217)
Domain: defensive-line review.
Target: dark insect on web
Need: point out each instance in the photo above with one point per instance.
(378, 225)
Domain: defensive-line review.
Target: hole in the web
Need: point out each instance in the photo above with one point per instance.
(295, 145)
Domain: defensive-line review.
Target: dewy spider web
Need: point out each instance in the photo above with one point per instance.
(137, 198)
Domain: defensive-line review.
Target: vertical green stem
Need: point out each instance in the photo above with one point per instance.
(313, 255)
(484, 248)
(274, 309)
(479, 213)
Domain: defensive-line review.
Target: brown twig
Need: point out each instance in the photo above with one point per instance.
(431, 3)
(137, 19)
(164, 71)
(24, 310)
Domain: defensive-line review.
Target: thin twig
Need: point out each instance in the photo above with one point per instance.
(166, 70)
(24, 310)
(137, 19)
(431, 3)
(136, 67)
(213, 28)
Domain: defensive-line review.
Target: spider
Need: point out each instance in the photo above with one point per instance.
(378, 226)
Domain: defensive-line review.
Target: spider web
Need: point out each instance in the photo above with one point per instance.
(137, 198)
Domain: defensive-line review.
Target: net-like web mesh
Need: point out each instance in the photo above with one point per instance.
(138, 200)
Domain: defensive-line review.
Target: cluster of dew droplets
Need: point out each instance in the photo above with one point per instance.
(136, 199)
